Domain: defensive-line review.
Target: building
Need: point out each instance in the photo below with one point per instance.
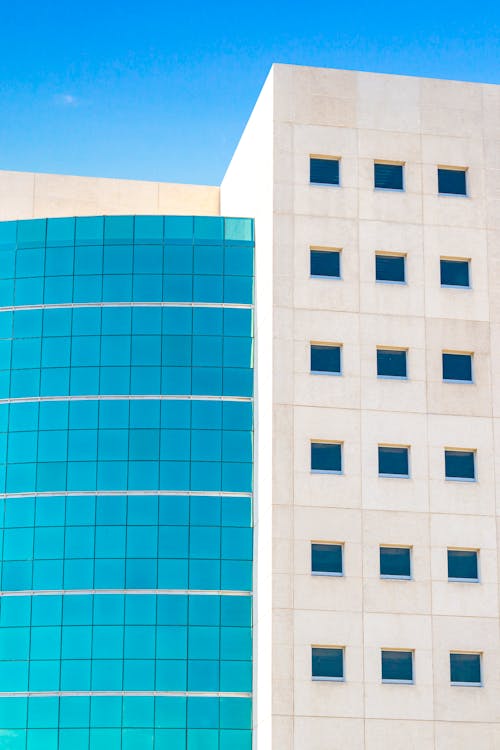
(127, 557)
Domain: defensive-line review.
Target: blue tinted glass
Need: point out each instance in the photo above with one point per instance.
(459, 464)
(395, 562)
(391, 363)
(454, 272)
(388, 176)
(324, 171)
(326, 457)
(328, 663)
(390, 268)
(327, 558)
(325, 263)
(452, 181)
(462, 564)
(325, 358)
(457, 367)
(465, 668)
(397, 665)
(392, 461)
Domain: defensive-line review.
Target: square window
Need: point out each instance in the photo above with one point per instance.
(390, 269)
(463, 565)
(327, 559)
(324, 171)
(388, 176)
(326, 457)
(465, 669)
(391, 363)
(326, 358)
(455, 273)
(452, 181)
(397, 666)
(395, 562)
(457, 368)
(325, 263)
(393, 461)
(328, 664)
(460, 465)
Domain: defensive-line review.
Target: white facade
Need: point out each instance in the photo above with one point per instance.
(360, 118)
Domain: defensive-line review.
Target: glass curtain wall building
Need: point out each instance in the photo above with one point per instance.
(126, 422)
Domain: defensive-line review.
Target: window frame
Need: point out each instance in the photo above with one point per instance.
(462, 354)
(329, 574)
(319, 678)
(468, 684)
(386, 162)
(461, 450)
(391, 681)
(322, 157)
(445, 168)
(325, 249)
(389, 577)
(394, 476)
(333, 472)
(449, 258)
(331, 345)
(388, 254)
(452, 579)
(393, 349)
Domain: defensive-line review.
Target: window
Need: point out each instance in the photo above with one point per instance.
(452, 181)
(388, 176)
(455, 273)
(327, 559)
(324, 170)
(397, 666)
(465, 669)
(390, 269)
(325, 358)
(462, 565)
(326, 457)
(457, 368)
(393, 461)
(325, 264)
(395, 562)
(328, 664)
(391, 363)
(460, 465)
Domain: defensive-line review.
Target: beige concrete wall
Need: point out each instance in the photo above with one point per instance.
(26, 195)
(424, 123)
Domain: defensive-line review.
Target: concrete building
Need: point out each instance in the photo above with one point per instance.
(376, 203)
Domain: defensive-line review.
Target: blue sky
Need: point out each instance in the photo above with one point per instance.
(162, 90)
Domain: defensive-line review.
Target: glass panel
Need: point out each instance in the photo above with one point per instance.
(452, 181)
(324, 171)
(459, 465)
(392, 461)
(325, 358)
(457, 367)
(391, 363)
(454, 272)
(325, 263)
(327, 558)
(465, 668)
(328, 663)
(390, 268)
(326, 457)
(397, 666)
(395, 562)
(388, 176)
(462, 564)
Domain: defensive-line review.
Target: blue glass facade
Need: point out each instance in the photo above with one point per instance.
(126, 418)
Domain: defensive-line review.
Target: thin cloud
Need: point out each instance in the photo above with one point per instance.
(67, 100)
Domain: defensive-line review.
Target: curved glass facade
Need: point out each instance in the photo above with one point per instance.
(126, 416)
